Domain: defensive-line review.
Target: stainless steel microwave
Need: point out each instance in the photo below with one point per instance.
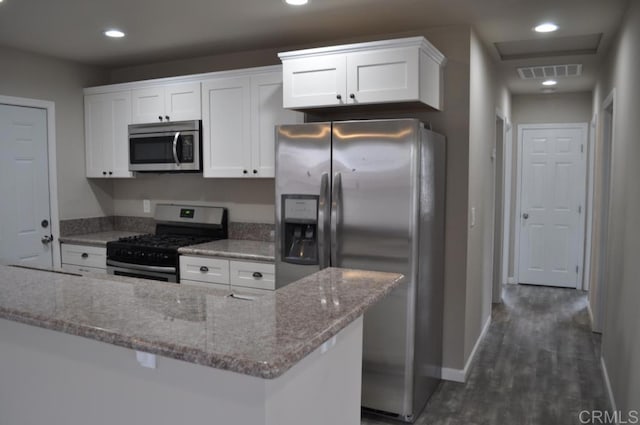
(166, 147)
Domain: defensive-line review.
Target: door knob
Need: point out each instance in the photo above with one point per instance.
(525, 216)
(166, 117)
(160, 117)
(47, 239)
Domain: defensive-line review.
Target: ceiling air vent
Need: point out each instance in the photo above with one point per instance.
(550, 71)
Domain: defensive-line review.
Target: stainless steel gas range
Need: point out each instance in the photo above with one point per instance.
(155, 256)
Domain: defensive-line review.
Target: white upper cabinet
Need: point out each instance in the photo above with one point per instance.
(239, 118)
(391, 71)
(173, 102)
(107, 117)
(226, 127)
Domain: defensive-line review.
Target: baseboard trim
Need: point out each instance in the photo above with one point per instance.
(607, 383)
(460, 375)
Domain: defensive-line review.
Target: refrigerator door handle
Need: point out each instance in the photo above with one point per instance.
(335, 216)
(323, 215)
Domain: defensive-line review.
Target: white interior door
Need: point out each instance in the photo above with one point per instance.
(552, 199)
(24, 187)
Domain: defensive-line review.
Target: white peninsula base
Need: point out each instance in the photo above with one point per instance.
(53, 378)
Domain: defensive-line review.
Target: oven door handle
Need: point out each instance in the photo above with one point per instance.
(175, 148)
(142, 267)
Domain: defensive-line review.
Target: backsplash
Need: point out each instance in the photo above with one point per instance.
(81, 226)
(242, 231)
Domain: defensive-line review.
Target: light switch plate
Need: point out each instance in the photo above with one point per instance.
(146, 206)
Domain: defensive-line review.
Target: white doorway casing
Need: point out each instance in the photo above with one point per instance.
(599, 258)
(550, 204)
(49, 108)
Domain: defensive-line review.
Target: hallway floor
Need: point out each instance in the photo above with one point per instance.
(539, 364)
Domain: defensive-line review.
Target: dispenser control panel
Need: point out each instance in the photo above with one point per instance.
(301, 209)
(300, 229)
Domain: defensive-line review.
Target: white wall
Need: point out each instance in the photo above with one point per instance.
(28, 75)
(621, 333)
(248, 200)
(486, 95)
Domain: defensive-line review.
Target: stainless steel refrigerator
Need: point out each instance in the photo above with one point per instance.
(370, 195)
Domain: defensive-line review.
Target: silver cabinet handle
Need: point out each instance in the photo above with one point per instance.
(84, 255)
(204, 269)
(335, 216)
(323, 214)
(257, 275)
(175, 148)
(525, 216)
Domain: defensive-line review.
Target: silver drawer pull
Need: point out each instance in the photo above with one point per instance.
(257, 275)
(85, 255)
(204, 269)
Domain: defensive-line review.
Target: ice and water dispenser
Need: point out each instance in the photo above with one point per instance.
(300, 229)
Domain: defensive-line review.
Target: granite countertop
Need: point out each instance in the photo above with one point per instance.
(233, 248)
(97, 239)
(262, 338)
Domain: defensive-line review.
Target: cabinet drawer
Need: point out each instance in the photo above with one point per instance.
(210, 285)
(81, 255)
(72, 268)
(203, 269)
(252, 275)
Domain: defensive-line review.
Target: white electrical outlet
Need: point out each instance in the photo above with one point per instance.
(147, 360)
(473, 216)
(146, 206)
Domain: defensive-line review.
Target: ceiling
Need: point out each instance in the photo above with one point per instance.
(161, 30)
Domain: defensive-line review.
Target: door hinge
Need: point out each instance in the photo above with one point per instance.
(576, 269)
(582, 148)
(579, 209)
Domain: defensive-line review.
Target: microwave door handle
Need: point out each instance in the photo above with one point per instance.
(175, 148)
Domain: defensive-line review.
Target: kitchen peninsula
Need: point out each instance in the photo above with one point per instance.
(67, 350)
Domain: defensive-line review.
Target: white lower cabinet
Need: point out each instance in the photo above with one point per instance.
(205, 270)
(83, 259)
(252, 275)
(243, 277)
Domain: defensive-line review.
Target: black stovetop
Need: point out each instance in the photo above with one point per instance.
(161, 248)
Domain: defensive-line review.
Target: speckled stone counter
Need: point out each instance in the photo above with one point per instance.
(97, 239)
(232, 248)
(261, 338)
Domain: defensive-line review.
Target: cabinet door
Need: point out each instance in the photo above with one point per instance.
(204, 269)
(252, 275)
(226, 127)
(383, 76)
(315, 81)
(148, 105)
(266, 113)
(182, 102)
(106, 134)
(82, 255)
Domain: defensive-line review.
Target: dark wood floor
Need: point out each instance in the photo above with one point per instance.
(538, 365)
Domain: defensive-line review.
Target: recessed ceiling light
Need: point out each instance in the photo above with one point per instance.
(549, 83)
(546, 27)
(114, 33)
(296, 2)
